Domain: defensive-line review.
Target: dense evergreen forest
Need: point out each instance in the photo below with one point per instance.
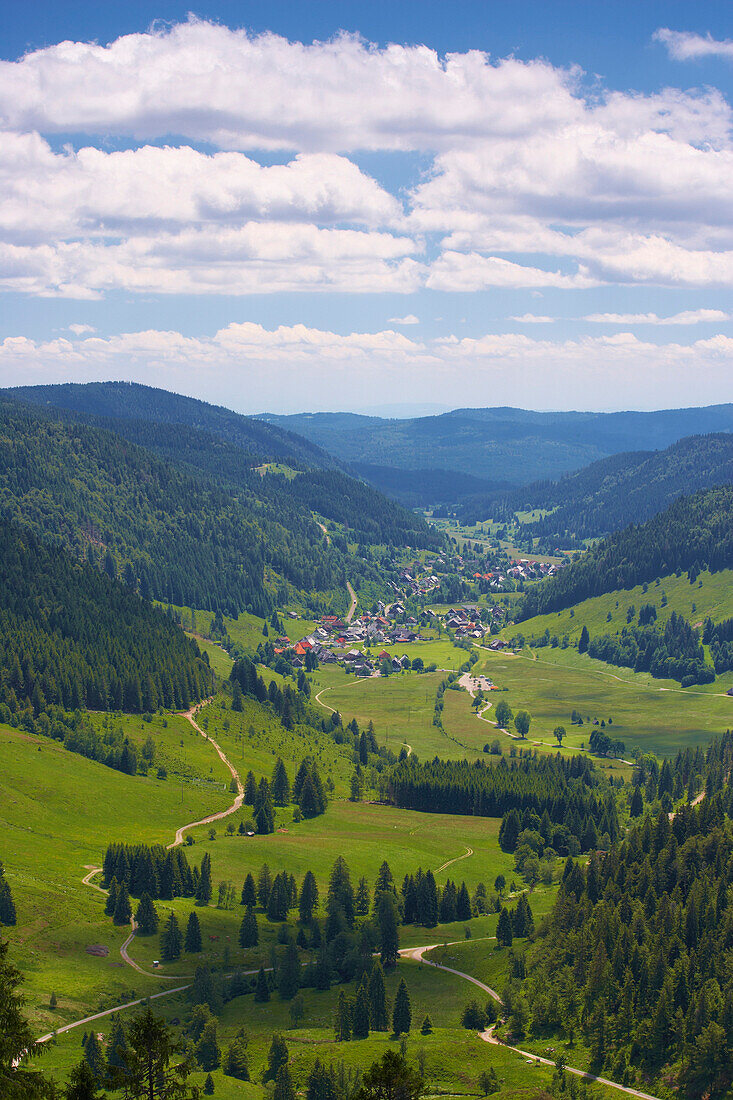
(71, 637)
(610, 494)
(671, 652)
(566, 789)
(694, 533)
(181, 534)
(128, 400)
(635, 954)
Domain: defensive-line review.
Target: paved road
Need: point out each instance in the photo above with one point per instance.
(352, 609)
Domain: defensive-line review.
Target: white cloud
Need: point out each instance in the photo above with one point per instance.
(410, 319)
(533, 319)
(81, 330)
(688, 46)
(459, 271)
(530, 165)
(686, 317)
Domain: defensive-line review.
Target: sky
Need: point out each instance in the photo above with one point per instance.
(319, 206)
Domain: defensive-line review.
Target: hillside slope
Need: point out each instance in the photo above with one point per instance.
(613, 492)
(694, 533)
(71, 637)
(503, 444)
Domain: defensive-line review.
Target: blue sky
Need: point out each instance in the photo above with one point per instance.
(459, 203)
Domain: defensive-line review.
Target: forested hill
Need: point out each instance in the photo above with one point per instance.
(198, 531)
(518, 446)
(128, 400)
(71, 637)
(608, 495)
(694, 533)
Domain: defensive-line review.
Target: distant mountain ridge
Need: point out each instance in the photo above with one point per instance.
(613, 492)
(517, 446)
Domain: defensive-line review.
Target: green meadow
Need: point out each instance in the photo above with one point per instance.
(58, 812)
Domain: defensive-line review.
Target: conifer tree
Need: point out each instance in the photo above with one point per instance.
(308, 898)
(388, 919)
(117, 1048)
(463, 903)
(111, 899)
(361, 903)
(193, 934)
(283, 1085)
(426, 1028)
(361, 1018)
(146, 916)
(288, 975)
(249, 892)
(204, 888)
(82, 1084)
(208, 1088)
(402, 1012)
(250, 790)
(208, 1054)
(8, 914)
(248, 931)
(262, 989)
(504, 929)
(342, 1025)
(264, 885)
(94, 1056)
(321, 1084)
(123, 908)
(236, 1063)
(280, 784)
(378, 1013)
(277, 1057)
(171, 940)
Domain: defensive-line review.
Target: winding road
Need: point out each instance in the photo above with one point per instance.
(417, 954)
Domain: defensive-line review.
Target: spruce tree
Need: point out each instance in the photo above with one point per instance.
(277, 1057)
(248, 930)
(193, 935)
(123, 908)
(262, 989)
(208, 1054)
(204, 889)
(463, 903)
(321, 1085)
(288, 975)
(361, 1018)
(264, 885)
(208, 1089)
(8, 914)
(250, 789)
(111, 899)
(171, 940)
(283, 1085)
(387, 919)
(427, 901)
(504, 929)
(308, 898)
(378, 1013)
(402, 1013)
(249, 892)
(117, 1048)
(82, 1084)
(236, 1063)
(280, 784)
(343, 1019)
(146, 916)
(426, 1028)
(94, 1056)
(361, 903)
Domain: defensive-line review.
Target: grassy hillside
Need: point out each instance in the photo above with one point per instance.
(693, 534)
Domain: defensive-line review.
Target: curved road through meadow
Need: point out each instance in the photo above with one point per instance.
(417, 954)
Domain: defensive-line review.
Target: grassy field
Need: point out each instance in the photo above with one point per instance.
(711, 595)
(652, 715)
(58, 812)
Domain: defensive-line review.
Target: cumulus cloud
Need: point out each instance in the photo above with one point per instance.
(410, 319)
(688, 46)
(622, 187)
(686, 317)
(533, 319)
(81, 330)
(471, 271)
